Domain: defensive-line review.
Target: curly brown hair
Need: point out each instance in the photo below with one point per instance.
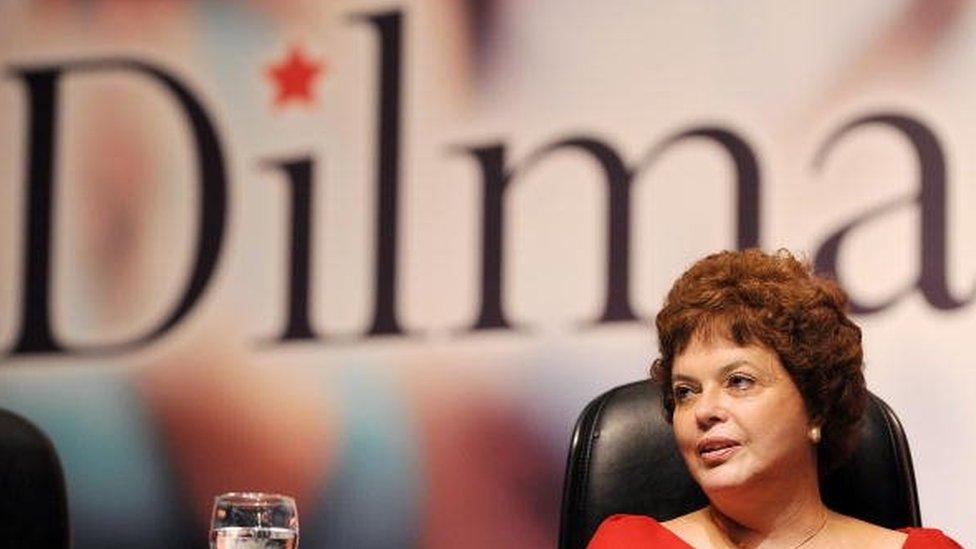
(775, 301)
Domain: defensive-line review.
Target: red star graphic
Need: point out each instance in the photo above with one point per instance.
(294, 76)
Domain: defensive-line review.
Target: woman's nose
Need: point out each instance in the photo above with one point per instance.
(709, 409)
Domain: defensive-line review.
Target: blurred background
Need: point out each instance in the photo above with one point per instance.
(379, 255)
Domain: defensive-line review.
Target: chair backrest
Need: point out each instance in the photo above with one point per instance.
(623, 459)
(33, 502)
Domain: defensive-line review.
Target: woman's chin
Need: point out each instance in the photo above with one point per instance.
(723, 478)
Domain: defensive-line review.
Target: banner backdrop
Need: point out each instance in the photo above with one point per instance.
(379, 255)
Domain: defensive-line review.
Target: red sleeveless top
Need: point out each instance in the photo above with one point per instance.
(638, 532)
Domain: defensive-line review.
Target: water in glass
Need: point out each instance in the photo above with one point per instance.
(253, 538)
(254, 520)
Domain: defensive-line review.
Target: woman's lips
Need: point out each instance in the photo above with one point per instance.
(717, 451)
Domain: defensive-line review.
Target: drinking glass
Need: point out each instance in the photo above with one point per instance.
(252, 520)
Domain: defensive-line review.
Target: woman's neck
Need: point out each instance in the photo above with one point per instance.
(784, 516)
(794, 531)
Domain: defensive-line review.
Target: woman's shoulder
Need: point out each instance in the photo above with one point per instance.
(905, 538)
(860, 533)
(633, 531)
(928, 538)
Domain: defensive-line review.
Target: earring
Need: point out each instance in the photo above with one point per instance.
(815, 434)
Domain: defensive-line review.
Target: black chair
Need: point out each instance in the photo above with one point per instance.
(623, 459)
(33, 502)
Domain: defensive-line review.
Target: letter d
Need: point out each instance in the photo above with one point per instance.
(36, 334)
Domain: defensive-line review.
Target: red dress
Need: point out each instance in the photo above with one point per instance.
(638, 532)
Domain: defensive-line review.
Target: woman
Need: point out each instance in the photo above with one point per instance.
(760, 371)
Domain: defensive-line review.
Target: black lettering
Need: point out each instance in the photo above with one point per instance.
(389, 27)
(497, 177)
(931, 199)
(36, 333)
(299, 173)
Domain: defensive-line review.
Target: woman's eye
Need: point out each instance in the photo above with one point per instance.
(740, 382)
(681, 393)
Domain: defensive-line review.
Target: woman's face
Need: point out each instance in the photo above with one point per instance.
(738, 416)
